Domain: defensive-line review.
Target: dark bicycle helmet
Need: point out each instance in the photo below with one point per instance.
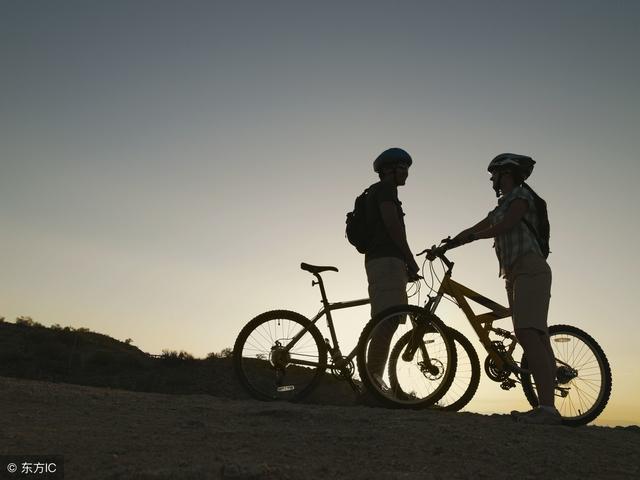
(391, 156)
(522, 163)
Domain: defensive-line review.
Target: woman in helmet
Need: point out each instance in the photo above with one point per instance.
(515, 225)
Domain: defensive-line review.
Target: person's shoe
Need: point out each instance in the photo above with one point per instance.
(515, 414)
(381, 384)
(538, 416)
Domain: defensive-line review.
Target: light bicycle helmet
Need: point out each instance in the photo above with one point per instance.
(392, 157)
(521, 163)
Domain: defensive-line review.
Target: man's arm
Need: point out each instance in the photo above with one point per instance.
(391, 221)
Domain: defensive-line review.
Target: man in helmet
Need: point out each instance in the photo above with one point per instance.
(526, 272)
(388, 261)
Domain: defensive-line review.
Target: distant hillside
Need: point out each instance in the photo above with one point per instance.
(31, 351)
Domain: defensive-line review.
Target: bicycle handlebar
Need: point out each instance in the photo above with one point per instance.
(439, 251)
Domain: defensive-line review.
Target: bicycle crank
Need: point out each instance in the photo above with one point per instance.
(493, 372)
(342, 369)
(508, 384)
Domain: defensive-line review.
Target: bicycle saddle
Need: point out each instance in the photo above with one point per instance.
(316, 268)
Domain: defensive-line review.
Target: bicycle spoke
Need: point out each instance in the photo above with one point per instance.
(269, 366)
(586, 394)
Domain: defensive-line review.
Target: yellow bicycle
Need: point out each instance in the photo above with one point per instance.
(583, 375)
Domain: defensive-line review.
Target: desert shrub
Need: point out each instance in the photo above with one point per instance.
(172, 356)
(27, 322)
(224, 353)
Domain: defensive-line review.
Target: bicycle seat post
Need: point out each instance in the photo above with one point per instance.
(335, 350)
(323, 293)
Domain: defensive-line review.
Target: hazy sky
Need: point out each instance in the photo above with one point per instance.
(166, 166)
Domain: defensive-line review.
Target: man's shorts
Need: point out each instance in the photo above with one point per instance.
(388, 279)
(528, 284)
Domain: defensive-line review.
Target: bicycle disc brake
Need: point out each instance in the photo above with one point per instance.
(433, 371)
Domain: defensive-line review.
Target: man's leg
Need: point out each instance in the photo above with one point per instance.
(387, 288)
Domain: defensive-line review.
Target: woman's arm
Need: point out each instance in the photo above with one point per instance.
(515, 212)
(484, 229)
(478, 227)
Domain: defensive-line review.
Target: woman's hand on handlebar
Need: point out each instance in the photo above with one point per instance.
(446, 244)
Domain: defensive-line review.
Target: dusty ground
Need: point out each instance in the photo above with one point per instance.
(113, 434)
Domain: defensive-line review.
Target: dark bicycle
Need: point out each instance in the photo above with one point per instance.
(282, 355)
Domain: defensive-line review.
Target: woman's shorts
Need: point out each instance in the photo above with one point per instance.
(528, 284)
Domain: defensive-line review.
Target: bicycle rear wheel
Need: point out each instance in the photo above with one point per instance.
(583, 376)
(269, 366)
(415, 376)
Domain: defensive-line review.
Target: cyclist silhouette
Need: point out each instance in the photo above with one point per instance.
(389, 262)
(526, 272)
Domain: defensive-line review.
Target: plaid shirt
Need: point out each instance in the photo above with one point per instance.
(519, 240)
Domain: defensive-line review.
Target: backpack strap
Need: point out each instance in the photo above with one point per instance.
(533, 231)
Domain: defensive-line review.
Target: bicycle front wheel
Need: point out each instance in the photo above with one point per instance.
(279, 355)
(467, 377)
(420, 367)
(583, 376)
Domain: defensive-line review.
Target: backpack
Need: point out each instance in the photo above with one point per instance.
(358, 231)
(542, 232)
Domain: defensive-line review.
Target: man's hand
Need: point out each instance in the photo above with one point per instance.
(415, 277)
(413, 270)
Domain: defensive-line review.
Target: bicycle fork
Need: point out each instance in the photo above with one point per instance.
(421, 327)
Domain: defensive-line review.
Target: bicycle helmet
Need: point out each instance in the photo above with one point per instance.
(522, 163)
(393, 157)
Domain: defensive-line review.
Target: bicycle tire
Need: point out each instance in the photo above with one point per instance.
(590, 390)
(414, 384)
(467, 377)
(263, 367)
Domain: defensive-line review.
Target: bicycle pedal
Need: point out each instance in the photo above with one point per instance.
(508, 384)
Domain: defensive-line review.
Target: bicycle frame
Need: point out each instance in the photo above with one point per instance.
(482, 324)
(327, 308)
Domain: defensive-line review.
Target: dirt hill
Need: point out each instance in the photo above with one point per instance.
(203, 426)
(116, 434)
(82, 357)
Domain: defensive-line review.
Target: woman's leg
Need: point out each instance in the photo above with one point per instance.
(541, 362)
